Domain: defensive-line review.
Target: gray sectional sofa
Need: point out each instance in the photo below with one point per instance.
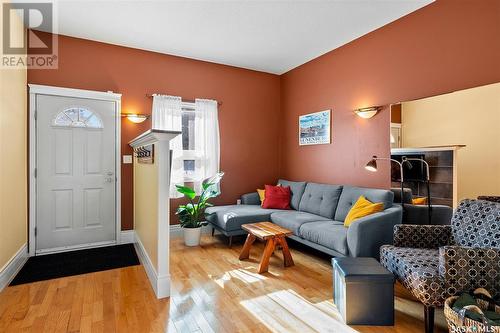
(317, 218)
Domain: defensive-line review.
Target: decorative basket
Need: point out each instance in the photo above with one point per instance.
(459, 323)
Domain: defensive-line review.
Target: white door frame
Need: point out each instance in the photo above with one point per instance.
(34, 90)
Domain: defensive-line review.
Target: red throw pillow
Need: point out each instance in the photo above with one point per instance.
(277, 197)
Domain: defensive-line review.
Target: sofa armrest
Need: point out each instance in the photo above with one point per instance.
(366, 235)
(419, 214)
(250, 199)
(467, 268)
(422, 236)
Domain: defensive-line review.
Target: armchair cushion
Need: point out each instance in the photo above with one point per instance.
(468, 268)
(476, 223)
(422, 236)
(417, 270)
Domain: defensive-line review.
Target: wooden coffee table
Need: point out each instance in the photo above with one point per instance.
(273, 235)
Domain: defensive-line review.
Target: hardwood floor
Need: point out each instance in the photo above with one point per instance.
(212, 291)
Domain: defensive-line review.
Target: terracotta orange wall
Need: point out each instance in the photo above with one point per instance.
(249, 115)
(448, 45)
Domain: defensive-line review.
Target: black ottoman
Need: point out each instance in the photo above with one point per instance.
(363, 291)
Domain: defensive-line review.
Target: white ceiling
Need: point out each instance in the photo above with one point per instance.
(268, 36)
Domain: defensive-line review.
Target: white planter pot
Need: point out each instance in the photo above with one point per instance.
(192, 236)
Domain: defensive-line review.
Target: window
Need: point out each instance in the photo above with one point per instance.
(77, 117)
(196, 152)
(188, 116)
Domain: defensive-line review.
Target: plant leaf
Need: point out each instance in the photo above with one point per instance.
(187, 191)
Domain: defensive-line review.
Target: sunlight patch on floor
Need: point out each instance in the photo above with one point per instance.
(241, 274)
(286, 311)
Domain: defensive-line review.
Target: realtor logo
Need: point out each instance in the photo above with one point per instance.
(33, 46)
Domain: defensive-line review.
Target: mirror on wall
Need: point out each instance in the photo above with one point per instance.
(457, 135)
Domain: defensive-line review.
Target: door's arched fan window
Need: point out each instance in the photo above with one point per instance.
(78, 117)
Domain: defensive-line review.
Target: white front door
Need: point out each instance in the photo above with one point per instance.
(75, 173)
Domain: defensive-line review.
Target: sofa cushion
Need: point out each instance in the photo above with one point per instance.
(292, 219)
(407, 195)
(230, 218)
(297, 189)
(320, 199)
(331, 234)
(350, 194)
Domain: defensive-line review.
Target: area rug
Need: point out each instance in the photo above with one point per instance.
(52, 266)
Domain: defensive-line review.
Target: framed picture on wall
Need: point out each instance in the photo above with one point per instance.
(314, 128)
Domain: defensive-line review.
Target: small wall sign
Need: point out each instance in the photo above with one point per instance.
(314, 128)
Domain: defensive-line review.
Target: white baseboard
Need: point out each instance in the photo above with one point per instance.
(160, 284)
(176, 230)
(9, 271)
(127, 237)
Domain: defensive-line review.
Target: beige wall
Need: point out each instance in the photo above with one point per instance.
(470, 117)
(146, 207)
(13, 164)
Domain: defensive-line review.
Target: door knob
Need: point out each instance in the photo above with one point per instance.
(109, 173)
(108, 179)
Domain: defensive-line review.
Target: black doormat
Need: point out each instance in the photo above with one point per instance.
(52, 266)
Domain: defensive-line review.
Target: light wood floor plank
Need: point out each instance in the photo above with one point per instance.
(212, 291)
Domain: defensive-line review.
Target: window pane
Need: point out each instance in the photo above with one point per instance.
(62, 120)
(72, 114)
(94, 122)
(85, 114)
(188, 130)
(189, 167)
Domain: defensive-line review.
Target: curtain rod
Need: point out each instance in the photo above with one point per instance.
(184, 100)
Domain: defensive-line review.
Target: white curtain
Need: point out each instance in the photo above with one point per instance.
(167, 115)
(207, 141)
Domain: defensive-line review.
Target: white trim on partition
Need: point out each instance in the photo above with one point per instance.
(10, 269)
(160, 284)
(127, 236)
(34, 90)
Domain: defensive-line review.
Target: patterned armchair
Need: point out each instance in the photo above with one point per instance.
(438, 261)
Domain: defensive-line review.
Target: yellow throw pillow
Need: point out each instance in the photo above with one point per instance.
(419, 201)
(361, 208)
(262, 195)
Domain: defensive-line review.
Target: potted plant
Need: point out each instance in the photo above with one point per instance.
(192, 214)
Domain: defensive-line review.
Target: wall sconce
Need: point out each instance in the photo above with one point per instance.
(135, 118)
(367, 112)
